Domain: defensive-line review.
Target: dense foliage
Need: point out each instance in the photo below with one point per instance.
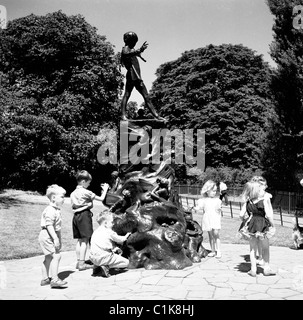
(59, 94)
(223, 90)
(284, 153)
(60, 85)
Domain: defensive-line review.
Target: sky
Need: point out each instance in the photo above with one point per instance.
(170, 27)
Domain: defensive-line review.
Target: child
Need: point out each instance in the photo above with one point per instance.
(223, 192)
(82, 202)
(50, 237)
(103, 249)
(133, 76)
(259, 208)
(211, 216)
(267, 197)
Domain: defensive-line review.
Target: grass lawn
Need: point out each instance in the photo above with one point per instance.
(20, 214)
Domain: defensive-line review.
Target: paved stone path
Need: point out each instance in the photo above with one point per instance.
(211, 279)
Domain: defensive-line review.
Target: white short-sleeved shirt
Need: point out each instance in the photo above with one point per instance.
(222, 186)
(51, 216)
(104, 239)
(211, 210)
(82, 199)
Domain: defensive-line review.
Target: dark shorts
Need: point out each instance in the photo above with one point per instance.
(83, 224)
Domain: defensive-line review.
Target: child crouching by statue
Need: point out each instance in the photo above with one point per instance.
(104, 252)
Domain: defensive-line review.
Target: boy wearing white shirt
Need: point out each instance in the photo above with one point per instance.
(103, 246)
(82, 201)
(50, 237)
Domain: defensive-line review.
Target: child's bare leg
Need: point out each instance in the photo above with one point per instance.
(212, 244)
(78, 246)
(265, 250)
(83, 246)
(217, 242)
(55, 265)
(253, 261)
(46, 266)
(260, 260)
(56, 282)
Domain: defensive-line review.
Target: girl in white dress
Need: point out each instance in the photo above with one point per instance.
(210, 206)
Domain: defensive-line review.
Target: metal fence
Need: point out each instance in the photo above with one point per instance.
(285, 204)
(287, 201)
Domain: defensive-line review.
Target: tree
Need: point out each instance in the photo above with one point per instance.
(224, 90)
(285, 144)
(67, 81)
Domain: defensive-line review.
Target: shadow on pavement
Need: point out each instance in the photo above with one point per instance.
(64, 274)
(245, 266)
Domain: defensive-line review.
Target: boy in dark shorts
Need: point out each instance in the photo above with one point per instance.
(82, 202)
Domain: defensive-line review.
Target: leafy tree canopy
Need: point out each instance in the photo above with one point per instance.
(284, 152)
(60, 84)
(223, 90)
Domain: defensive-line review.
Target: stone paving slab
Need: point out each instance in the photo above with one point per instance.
(211, 279)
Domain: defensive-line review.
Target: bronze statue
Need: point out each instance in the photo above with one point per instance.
(133, 76)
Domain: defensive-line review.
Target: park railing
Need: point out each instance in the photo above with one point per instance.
(285, 204)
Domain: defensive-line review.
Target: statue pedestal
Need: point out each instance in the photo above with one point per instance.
(149, 208)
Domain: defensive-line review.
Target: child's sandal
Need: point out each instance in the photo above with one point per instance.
(45, 282)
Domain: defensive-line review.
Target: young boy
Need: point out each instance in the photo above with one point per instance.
(103, 250)
(133, 76)
(50, 237)
(82, 202)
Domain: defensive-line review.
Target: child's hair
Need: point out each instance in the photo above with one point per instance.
(208, 185)
(83, 175)
(251, 190)
(259, 179)
(103, 216)
(54, 189)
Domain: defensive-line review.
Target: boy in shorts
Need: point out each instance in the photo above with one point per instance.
(82, 202)
(50, 237)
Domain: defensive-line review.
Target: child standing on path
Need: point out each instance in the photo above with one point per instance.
(267, 197)
(210, 205)
(103, 251)
(82, 202)
(259, 209)
(50, 237)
